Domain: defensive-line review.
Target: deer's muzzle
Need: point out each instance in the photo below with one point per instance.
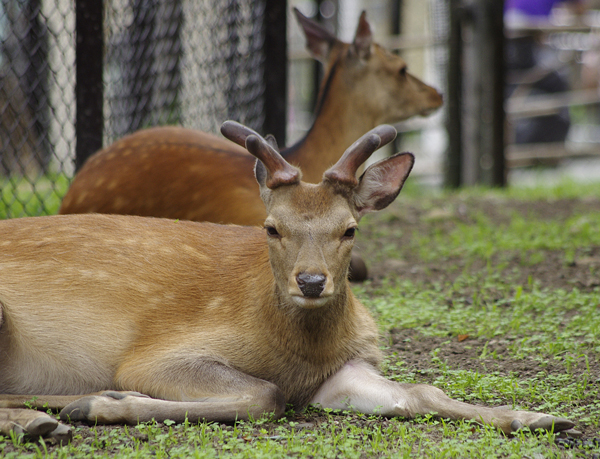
(311, 285)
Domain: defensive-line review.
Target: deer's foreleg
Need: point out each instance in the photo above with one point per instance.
(360, 387)
(32, 424)
(196, 389)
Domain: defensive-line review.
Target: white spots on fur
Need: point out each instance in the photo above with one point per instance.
(193, 251)
(120, 202)
(81, 197)
(215, 303)
(166, 250)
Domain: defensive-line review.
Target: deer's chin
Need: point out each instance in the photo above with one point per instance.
(429, 111)
(310, 303)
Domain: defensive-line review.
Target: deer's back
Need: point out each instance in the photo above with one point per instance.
(169, 172)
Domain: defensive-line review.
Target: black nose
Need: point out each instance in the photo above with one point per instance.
(311, 285)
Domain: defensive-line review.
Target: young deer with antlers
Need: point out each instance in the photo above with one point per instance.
(180, 173)
(207, 321)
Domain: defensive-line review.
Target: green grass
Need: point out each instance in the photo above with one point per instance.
(21, 197)
(554, 330)
(484, 240)
(337, 435)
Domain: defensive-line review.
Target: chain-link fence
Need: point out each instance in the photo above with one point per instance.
(188, 62)
(202, 64)
(193, 63)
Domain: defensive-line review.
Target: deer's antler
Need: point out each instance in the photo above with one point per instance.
(279, 171)
(344, 171)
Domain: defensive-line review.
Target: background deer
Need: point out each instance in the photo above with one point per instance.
(207, 321)
(180, 173)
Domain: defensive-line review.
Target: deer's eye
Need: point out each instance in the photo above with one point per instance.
(272, 231)
(403, 71)
(350, 232)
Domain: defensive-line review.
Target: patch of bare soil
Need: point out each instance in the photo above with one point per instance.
(553, 272)
(441, 215)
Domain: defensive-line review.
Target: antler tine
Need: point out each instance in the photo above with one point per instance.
(279, 171)
(344, 171)
(237, 132)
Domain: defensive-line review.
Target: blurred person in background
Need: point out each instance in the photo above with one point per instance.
(527, 59)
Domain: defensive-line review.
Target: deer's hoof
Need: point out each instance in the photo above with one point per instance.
(516, 425)
(40, 426)
(358, 269)
(571, 433)
(61, 435)
(551, 423)
(77, 411)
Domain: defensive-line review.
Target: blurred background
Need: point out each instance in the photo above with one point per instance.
(520, 84)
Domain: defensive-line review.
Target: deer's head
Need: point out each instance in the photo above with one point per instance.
(374, 79)
(310, 228)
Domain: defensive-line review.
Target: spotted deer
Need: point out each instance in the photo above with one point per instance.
(174, 172)
(165, 319)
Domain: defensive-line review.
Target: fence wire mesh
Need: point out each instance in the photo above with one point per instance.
(187, 62)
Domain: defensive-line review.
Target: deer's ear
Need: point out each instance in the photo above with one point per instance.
(361, 46)
(319, 40)
(260, 172)
(381, 183)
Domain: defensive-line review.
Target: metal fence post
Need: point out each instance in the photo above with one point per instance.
(489, 39)
(454, 160)
(89, 95)
(275, 69)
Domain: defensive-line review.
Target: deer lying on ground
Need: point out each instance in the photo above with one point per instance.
(168, 319)
(185, 174)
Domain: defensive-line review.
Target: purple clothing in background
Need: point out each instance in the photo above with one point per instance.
(532, 7)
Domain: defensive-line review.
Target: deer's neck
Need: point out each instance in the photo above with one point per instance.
(337, 125)
(320, 342)
(325, 334)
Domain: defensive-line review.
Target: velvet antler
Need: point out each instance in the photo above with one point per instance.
(279, 171)
(344, 171)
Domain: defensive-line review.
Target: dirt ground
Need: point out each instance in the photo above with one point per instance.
(443, 213)
(552, 273)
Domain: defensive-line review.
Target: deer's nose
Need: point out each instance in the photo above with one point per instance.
(311, 285)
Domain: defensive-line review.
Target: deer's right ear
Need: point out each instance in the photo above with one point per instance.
(260, 172)
(363, 39)
(381, 183)
(319, 40)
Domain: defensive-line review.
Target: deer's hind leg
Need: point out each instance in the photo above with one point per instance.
(181, 387)
(28, 422)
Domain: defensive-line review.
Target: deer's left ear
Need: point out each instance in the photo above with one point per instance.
(381, 183)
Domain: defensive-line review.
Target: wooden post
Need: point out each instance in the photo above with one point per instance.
(89, 94)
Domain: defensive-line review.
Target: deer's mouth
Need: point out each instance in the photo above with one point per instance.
(310, 303)
(429, 111)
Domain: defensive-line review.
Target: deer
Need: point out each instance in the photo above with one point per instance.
(179, 173)
(118, 319)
